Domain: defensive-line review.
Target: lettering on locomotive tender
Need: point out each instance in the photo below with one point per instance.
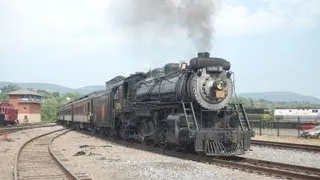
(181, 106)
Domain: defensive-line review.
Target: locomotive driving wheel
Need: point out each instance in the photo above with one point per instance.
(124, 132)
(122, 126)
(147, 130)
(162, 136)
(147, 127)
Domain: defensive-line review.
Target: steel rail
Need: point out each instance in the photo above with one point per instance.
(24, 124)
(304, 147)
(78, 176)
(278, 169)
(15, 170)
(16, 129)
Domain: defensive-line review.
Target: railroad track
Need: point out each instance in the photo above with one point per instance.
(8, 130)
(268, 168)
(22, 125)
(304, 147)
(37, 160)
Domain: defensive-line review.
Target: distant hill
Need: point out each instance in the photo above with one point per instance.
(275, 96)
(54, 87)
(280, 96)
(89, 89)
(43, 86)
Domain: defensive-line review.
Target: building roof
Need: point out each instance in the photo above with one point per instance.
(4, 102)
(23, 92)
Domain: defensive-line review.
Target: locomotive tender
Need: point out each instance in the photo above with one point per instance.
(181, 106)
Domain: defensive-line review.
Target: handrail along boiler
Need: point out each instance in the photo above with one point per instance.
(182, 106)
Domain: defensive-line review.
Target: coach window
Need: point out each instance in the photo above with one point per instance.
(116, 95)
(88, 107)
(125, 89)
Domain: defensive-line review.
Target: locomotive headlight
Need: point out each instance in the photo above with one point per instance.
(220, 85)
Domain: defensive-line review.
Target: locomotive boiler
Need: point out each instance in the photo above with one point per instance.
(182, 106)
(206, 81)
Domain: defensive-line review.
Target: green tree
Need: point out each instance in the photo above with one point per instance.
(49, 109)
(44, 94)
(53, 102)
(6, 89)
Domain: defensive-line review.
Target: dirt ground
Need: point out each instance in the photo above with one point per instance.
(101, 159)
(287, 139)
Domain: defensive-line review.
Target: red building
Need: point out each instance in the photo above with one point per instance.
(28, 104)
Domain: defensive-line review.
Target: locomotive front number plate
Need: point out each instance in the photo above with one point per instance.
(220, 94)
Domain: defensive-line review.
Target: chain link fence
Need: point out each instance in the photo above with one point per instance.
(264, 124)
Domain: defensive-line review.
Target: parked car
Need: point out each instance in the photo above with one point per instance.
(308, 126)
(311, 133)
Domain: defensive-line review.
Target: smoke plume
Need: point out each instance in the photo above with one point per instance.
(192, 16)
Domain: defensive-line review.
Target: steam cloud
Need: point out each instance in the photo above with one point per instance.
(193, 16)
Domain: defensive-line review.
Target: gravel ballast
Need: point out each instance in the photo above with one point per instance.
(9, 148)
(287, 156)
(100, 159)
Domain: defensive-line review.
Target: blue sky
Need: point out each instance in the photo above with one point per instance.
(272, 44)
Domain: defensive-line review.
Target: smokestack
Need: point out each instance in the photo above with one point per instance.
(203, 55)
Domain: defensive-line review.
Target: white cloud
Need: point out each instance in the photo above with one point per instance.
(30, 24)
(85, 25)
(268, 15)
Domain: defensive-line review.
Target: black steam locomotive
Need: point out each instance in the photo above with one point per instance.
(182, 106)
